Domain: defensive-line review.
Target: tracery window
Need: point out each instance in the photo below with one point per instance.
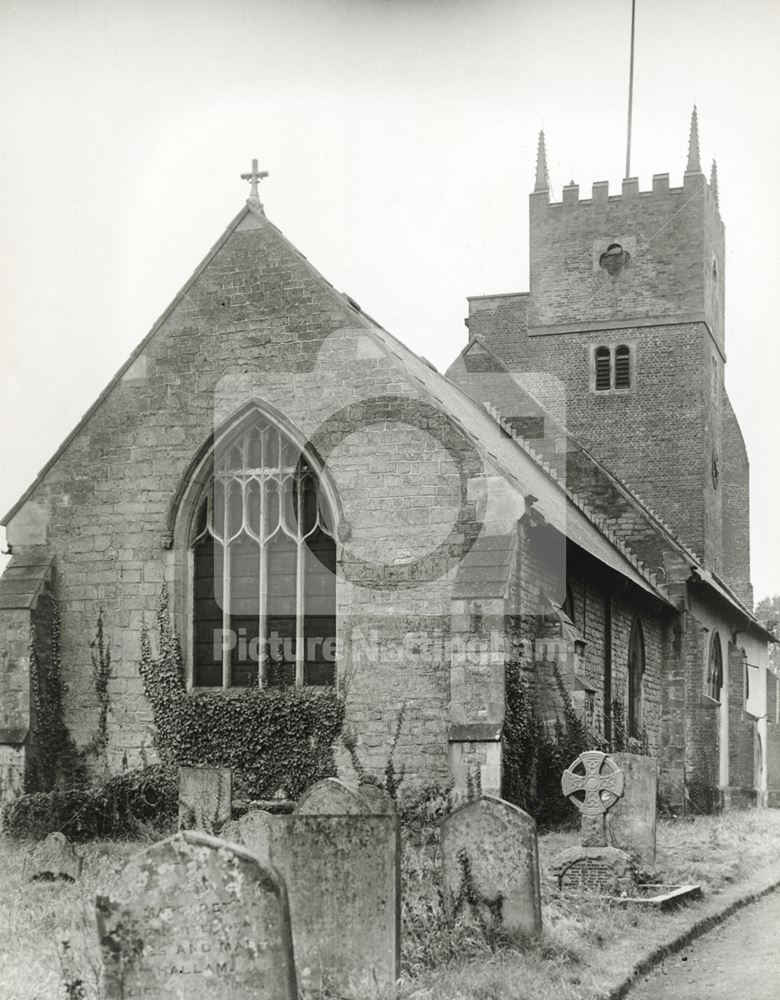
(715, 668)
(636, 674)
(263, 567)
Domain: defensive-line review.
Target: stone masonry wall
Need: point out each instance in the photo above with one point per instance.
(259, 325)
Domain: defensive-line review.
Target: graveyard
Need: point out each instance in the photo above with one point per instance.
(350, 895)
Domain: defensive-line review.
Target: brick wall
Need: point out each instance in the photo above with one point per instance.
(674, 236)
(735, 478)
(667, 304)
(742, 733)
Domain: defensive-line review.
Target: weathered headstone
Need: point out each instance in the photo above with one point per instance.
(54, 858)
(343, 880)
(332, 797)
(253, 830)
(594, 783)
(205, 798)
(377, 798)
(492, 845)
(631, 822)
(193, 917)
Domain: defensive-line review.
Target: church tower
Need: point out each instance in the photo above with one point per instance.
(622, 332)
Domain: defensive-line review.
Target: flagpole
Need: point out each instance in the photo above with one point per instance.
(630, 91)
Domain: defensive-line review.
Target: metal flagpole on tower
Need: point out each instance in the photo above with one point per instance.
(630, 91)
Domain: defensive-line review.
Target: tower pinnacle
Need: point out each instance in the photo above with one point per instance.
(542, 180)
(694, 166)
(714, 183)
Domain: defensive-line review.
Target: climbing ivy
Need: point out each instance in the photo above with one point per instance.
(536, 755)
(271, 738)
(100, 652)
(55, 761)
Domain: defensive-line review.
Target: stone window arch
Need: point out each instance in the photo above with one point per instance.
(715, 668)
(260, 562)
(636, 679)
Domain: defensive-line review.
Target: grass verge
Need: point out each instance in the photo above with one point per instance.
(586, 943)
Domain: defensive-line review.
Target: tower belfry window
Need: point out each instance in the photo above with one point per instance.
(612, 368)
(603, 369)
(622, 367)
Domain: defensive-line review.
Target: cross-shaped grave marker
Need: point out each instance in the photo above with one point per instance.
(598, 776)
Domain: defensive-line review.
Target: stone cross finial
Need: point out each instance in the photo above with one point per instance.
(254, 176)
(599, 777)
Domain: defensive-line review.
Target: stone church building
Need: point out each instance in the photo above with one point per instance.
(328, 509)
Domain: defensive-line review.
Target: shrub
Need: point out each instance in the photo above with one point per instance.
(124, 805)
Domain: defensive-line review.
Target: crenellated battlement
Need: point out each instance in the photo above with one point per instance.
(603, 259)
(600, 195)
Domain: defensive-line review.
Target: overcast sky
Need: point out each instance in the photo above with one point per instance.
(400, 137)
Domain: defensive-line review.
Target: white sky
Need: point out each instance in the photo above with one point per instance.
(400, 136)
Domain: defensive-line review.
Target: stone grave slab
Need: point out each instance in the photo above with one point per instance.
(193, 917)
(497, 843)
(631, 822)
(205, 798)
(332, 797)
(54, 858)
(344, 885)
(603, 871)
(253, 830)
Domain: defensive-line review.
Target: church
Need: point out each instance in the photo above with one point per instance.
(328, 511)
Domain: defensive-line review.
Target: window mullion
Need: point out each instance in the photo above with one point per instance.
(299, 581)
(226, 648)
(262, 611)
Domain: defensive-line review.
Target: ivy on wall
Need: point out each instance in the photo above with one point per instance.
(55, 761)
(271, 738)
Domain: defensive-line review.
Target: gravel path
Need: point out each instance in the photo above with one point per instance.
(739, 960)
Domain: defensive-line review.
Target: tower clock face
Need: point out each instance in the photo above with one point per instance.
(714, 470)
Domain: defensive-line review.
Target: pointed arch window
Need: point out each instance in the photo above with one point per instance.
(263, 559)
(636, 679)
(715, 668)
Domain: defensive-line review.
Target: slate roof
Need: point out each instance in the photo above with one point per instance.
(485, 569)
(504, 452)
(24, 578)
(644, 519)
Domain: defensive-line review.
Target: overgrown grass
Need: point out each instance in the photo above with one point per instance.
(585, 943)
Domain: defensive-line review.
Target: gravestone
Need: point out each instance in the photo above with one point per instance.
(54, 858)
(332, 797)
(253, 830)
(377, 799)
(593, 783)
(631, 822)
(343, 881)
(205, 798)
(492, 844)
(193, 917)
